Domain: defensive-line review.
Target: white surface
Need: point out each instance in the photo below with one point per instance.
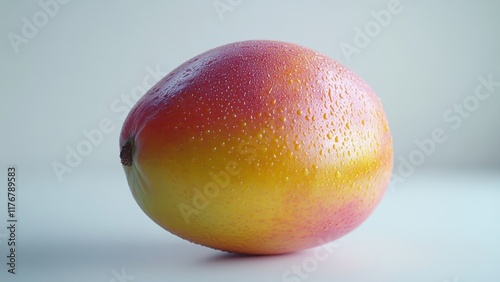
(434, 227)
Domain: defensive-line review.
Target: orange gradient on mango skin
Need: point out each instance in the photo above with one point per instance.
(287, 148)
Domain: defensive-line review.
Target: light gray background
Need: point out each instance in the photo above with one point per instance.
(68, 76)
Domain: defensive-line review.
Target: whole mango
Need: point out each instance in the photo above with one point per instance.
(258, 147)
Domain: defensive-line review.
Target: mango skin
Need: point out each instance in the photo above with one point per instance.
(258, 147)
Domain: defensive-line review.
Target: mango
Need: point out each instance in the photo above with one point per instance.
(258, 147)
